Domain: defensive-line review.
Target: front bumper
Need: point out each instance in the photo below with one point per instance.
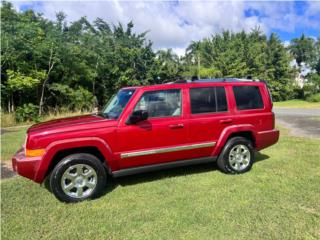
(26, 166)
(267, 138)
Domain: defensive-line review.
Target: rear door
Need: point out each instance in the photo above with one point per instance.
(209, 114)
(253, 106)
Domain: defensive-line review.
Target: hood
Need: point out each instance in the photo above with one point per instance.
(62, 123)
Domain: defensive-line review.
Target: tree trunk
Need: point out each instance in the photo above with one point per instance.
(9, 106)
(42, 96)
(94, 80)
(12, 104)
(50, 66)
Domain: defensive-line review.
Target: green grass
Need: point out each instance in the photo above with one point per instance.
(296, 103)
(11, 141)
(278, 199)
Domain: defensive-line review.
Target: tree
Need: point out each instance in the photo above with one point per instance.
(302, 49)
(168, 65)
(53, 63)
(18, 82)
(81, 56)
(240, 55)
(193, 54)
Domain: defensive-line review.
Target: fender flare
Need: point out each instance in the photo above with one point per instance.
(59, 145)
(226, 133)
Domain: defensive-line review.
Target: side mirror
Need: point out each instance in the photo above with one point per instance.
(137, 116)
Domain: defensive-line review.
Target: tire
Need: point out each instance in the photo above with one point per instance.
(78, 177)
(237, 156)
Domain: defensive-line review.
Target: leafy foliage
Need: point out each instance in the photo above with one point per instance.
(78, 65)
(241, 55)
(302, 49)
(27, 112)
(19, 82)
(314, 98)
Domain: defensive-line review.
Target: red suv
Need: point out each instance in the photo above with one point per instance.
(150, 128)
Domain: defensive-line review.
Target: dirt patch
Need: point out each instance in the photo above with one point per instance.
(6, 171)
(3, 131)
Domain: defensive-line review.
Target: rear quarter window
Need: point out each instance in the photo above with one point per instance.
(248, 97)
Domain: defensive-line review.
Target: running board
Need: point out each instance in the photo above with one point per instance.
(167, 165)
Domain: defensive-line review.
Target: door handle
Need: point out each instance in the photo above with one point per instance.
(225, 121)
(175, 126)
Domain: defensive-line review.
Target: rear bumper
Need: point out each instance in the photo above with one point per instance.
(267, 138)
(26, 167)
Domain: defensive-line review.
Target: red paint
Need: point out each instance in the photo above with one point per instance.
(114, 137)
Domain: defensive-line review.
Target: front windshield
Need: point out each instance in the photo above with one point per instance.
(117, 103)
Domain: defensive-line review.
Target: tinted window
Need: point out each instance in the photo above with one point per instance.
(207, 100)
(248, 97)
(161, 103)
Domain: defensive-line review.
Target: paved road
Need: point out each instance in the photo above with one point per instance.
(300, 121)
(297, 112)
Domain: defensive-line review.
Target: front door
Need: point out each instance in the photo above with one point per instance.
(162, 137)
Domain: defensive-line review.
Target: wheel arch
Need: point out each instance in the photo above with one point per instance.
(66, 152)
(246, 134)
(60, 149)
(246, 131)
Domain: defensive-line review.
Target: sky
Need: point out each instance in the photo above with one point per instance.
(174, 24)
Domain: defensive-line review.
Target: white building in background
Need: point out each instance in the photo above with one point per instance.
(300, 80)
(303, 71)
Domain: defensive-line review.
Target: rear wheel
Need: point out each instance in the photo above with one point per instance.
(78, 177)
(237, 156)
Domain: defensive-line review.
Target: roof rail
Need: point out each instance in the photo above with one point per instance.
(218, 80)
(227, 80)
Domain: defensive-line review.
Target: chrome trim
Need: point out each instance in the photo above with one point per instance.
(168, 149)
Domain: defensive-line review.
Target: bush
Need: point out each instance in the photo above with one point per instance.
(78, 99)
(281, 92)
(28, 112)
(314, 98)
(308, 90)
(81, 99)
(7, 119)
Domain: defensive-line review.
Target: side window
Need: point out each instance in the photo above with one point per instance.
(208, 100)
(161, 103)
(248, 97)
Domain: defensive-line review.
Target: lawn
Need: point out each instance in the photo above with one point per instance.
(296, 103)
(278, 199)
(11, 141)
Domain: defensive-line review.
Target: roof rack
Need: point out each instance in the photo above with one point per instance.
(218, 80)
(227, 80)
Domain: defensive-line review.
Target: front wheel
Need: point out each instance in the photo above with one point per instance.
(237, 156)
(78, 177)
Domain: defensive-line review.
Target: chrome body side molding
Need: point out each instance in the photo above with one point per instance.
(167, 149)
